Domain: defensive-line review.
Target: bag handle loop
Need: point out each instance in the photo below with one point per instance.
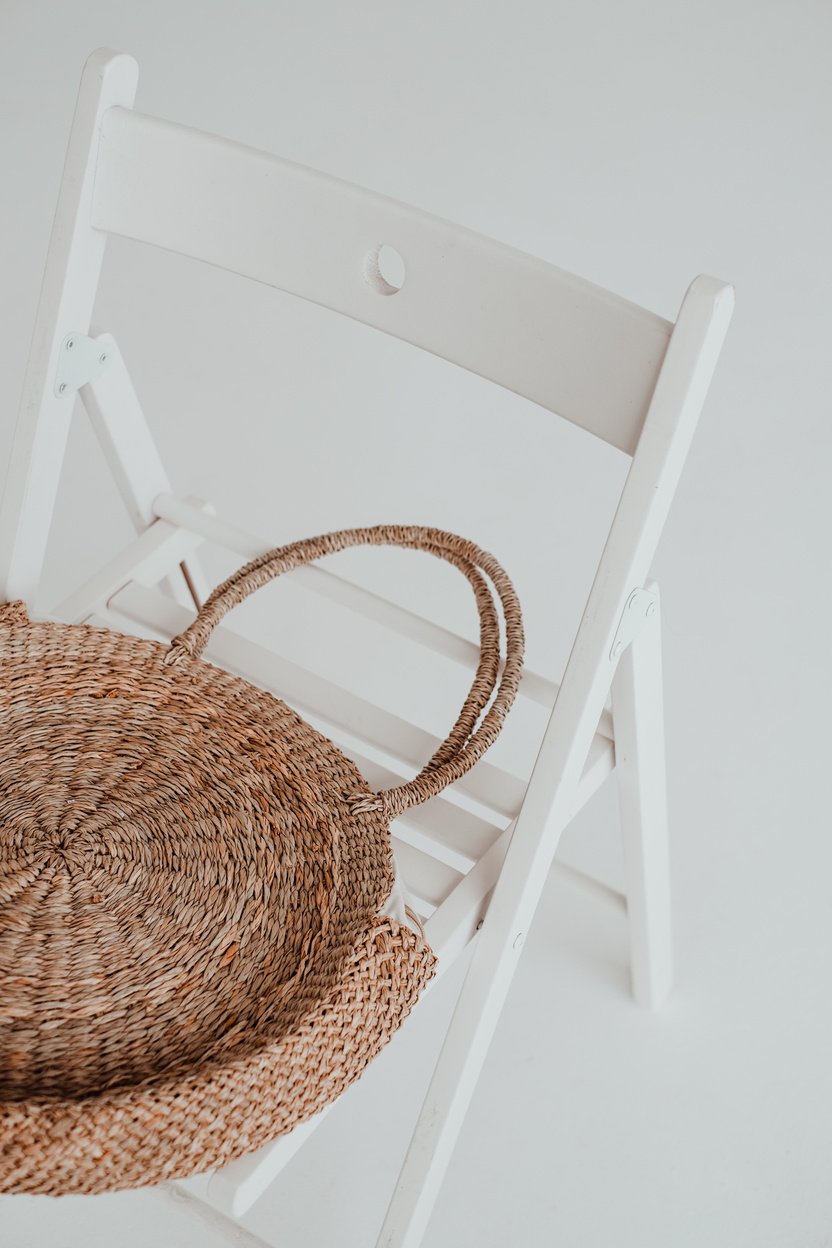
(466, 742)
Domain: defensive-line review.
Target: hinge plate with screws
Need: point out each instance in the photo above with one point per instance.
(80, 360)
(637, 611)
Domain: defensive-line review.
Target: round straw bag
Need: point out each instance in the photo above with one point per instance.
(194, 956)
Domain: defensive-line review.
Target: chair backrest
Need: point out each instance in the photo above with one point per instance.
(570, 346)
(623, 373)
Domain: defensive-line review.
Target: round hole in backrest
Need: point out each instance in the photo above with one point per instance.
(384, 269)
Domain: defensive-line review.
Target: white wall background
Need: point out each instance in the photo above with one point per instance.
(637, 144)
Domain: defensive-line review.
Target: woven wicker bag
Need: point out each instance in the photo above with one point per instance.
(194, 956)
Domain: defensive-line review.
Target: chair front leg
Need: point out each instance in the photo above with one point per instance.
(642, 792)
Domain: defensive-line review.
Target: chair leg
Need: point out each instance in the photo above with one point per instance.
(454, 1079)
(640, 768)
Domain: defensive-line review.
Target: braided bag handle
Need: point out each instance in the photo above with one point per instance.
(466, 742)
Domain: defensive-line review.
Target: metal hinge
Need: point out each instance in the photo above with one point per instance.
(637, 610)
(80, 360)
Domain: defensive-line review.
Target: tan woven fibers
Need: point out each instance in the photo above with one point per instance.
(192, 955)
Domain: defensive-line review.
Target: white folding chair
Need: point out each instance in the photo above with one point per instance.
(622, 373)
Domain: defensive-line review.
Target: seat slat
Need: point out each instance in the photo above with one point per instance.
(425, 879)
(236, 1186)
(151, 556)
(354, 717)
(312, 694)
(193, 516)
(442, 828)
(555, 338)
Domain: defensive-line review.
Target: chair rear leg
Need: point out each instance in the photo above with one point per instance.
(640, 768)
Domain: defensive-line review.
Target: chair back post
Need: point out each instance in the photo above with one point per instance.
(547, 807)
(634, 535)
(70, 283)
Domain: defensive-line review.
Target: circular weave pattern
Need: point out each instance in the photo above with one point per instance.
(184, 885)
(184, 864)
(192, 954)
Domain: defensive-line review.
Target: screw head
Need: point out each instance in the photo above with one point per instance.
(102, 359)
(62, 387)
(70, 343)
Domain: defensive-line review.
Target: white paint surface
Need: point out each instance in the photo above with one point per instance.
(636, 145)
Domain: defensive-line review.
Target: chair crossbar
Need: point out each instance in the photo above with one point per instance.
(459, 839)
(149, 557)
(493, 787)
(320, 698)
(428, 880)
(236, 1187)
(437, 847)
(191, 515)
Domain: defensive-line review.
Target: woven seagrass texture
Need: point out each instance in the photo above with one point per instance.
(159, 1131)
(192, 955)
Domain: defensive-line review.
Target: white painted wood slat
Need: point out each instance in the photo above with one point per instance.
(151, 557)
(310, 693)
(555, 338)
(236, 1187)
(125, 439)
(196, 516)
(488, 784)
(441, 827)
(426, 878)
